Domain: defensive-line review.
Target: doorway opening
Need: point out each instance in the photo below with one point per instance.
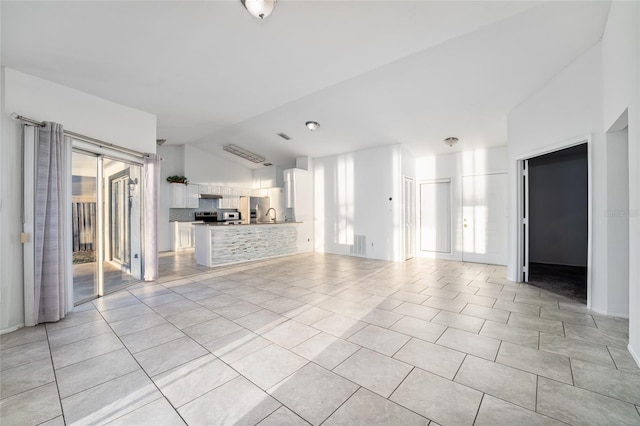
(106, 224)
(557, 219)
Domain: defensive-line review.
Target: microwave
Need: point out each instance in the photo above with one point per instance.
(229, 216)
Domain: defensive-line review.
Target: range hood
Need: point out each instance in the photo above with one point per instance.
(210, 196)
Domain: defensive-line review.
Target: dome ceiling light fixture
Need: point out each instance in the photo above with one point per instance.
(259, 8)
(312, 125)
(451, 141)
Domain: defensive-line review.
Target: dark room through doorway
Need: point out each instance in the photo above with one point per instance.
(558, 201)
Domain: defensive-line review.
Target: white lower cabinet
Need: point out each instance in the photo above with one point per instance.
(182, 236)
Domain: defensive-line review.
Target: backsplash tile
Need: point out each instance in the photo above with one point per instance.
(185, 215)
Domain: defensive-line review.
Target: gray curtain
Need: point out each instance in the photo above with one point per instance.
(50, 293)
(151, 205)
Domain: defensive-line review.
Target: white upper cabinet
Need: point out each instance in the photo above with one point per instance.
(192, 200)
(289, 188)
(178, 195)
(268, 177)
(210, 189)
(298, 191)
(184, 196)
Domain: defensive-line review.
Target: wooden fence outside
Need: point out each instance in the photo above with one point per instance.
(84, 226)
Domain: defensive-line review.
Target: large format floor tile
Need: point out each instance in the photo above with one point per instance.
(110, 400)
(608, 381)
(368, 408)
(559, 401)
(313, 392)
(326, 350)
(237, 402)
(463, 341)
(193, 379)
(534, 361)
(438, 399)
(322, 339)
(379, 339)
(31, 407)
(94, 371)
(494, 411)
(25, 377)
(157, 413)
(495, 379)
(374, 371)
(269, 366)
(434, 358)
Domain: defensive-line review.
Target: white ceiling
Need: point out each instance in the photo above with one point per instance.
(370, 72)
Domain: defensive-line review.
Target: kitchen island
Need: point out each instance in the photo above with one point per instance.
(226, 244)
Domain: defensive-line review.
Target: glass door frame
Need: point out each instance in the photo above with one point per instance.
(99, 229)
(121, 179)
(101, 153)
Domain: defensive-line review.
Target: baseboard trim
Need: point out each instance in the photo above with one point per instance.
(634, 355)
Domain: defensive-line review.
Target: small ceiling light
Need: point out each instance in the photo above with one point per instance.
(312, 125)
(451, 141)
(259, 8)
(160, 142)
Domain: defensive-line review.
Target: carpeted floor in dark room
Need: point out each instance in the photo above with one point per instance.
(567, 281)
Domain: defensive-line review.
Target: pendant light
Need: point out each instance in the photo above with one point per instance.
(259, 8)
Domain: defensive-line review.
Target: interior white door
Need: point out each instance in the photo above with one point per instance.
(435, 216)
(484, 219)
(409, 219)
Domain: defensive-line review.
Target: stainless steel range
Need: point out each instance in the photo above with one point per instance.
(207, 216)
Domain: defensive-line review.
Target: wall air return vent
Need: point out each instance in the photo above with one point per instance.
(359, 247)
(243, 153)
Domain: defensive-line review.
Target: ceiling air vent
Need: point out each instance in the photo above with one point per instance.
(267, 164)
(243, 153)
(284, 136)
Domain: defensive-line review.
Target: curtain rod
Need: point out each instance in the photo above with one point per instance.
(94, 141)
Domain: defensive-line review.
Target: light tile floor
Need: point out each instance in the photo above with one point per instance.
(323, 339)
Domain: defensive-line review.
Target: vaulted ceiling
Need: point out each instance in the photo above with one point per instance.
(370, 72)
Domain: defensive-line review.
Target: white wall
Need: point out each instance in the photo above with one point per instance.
(618, 223)
(359, 194)
(172, 164)
(77, 111)
(454, 166)
(621, 86)
(566, 109)
(202, 167)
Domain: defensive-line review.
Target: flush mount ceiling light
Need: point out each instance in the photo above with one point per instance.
(451, 141)
(241, 152)
(312, 125)
(259, 8)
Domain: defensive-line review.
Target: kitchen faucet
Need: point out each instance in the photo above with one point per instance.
(274, 213)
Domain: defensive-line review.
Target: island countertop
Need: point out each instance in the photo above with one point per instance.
(245, 224)
(220, 244)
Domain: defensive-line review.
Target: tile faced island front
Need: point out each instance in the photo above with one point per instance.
(226, 244)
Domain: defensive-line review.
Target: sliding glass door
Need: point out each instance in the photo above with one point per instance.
(107, 226)
(84, 217)
(123, 242)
